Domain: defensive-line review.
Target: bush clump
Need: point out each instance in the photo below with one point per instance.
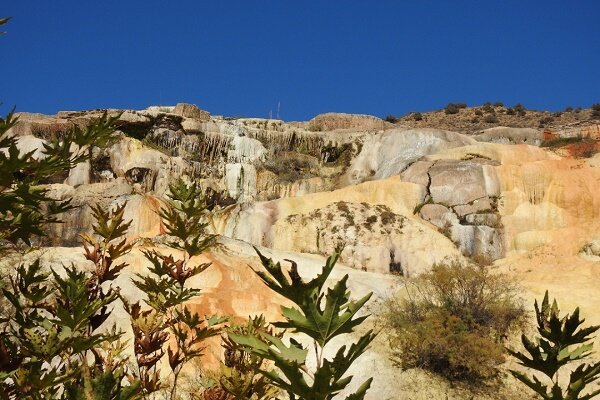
(491, 119)
(453, 321)
(545, 121)
(417, 116)
(596, 111)
(519, 109)
(487, 107)
(454, 108)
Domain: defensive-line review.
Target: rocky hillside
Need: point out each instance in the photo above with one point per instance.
(472, 120)
(399, 196)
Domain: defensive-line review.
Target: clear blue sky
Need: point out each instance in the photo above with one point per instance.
(239, 58)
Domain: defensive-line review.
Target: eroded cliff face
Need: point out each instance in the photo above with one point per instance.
(398, 200)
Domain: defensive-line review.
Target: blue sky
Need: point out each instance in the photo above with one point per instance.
(240, 58)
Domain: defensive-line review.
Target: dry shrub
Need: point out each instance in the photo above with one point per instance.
(584, 149)
(453, 321)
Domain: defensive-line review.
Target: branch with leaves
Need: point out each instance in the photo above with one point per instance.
(321, 315)
(51, 345)
(166, 314)
(562, 341)
(25, 205)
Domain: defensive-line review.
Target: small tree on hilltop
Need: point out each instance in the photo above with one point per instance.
(562, 342)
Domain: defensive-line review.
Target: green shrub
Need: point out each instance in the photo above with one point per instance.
(417, 116)
(498, 104)
(392, 119)
(453, 321)
(478, 112)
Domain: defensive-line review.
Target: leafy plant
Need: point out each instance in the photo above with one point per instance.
(237, 376)
(25, 205)
(562, 341)
(453, 320)
(319, 315)
(51, 344)
(166, 314)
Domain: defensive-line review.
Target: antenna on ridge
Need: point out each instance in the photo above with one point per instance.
(278, 107)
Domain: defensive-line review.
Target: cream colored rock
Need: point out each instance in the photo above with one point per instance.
(28, 143)
(505, 154)
(437, 214)
(240, 180)
(79, 220)
(133, 117)
(389, 153)
(333, 121)
(318, 223)
(191, 111)
(506, 135)
(462, 182)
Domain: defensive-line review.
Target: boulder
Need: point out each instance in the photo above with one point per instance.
(391, 152)
(332, 121)
(191, 111)
(506, 135)
(460, 182)
(438, 215)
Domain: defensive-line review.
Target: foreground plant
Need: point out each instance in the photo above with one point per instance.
(562, 341)
(321, 316)
(51, 345)
(26, 208)
(237, 377)
(165, 314)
